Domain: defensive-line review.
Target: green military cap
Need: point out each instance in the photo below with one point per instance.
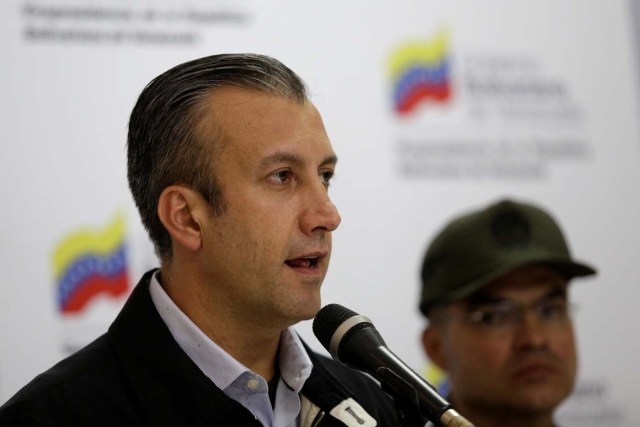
(480, 246)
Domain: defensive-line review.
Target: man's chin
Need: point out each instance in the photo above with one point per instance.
(540, 400)
(302, 309)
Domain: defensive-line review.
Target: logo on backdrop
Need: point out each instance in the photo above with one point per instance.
(90, 263)
(141, 23)
(420, 73)
(592, 404)
(438, 378)
(510, 114)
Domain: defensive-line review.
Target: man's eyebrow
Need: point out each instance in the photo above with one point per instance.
(556, 292)
(285, 157)
(481, 299)
(329, 160)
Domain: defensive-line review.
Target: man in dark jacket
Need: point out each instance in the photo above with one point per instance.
(229, 165)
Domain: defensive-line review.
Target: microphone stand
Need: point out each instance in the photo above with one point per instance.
(410, 416)
(413, 407)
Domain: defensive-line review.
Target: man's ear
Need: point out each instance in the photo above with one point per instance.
(179, 209)
(433, 346)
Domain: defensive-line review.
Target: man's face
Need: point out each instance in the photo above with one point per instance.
(267, 254)
(503, 360)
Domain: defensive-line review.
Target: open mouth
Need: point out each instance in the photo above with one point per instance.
(304, 262)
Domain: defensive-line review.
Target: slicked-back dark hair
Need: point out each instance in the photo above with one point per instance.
(164, 146)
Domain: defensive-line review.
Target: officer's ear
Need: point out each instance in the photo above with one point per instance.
(181, 210)
(432, 343)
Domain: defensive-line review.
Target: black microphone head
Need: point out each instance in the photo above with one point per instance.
(335, 327)
(328, 319)
(353, 340)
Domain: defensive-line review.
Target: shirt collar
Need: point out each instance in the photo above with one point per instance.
(295, 365)
(218, 365)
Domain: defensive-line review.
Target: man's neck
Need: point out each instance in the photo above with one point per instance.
(255, 346)
(257, 353)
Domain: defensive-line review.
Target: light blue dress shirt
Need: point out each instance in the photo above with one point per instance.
(231, 376)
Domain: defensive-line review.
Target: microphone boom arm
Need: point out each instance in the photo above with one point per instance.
(353, 340)
(411, 389)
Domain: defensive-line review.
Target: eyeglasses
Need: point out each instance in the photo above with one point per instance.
(508, 314)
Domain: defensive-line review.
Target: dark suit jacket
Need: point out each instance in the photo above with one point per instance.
(137, 375)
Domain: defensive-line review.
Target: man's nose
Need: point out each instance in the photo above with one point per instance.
(531, 331)
(319, 212)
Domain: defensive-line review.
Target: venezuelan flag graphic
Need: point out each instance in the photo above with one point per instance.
(420, 72)
(89, 263)
(438, 378)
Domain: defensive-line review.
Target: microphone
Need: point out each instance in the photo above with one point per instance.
(353, 340)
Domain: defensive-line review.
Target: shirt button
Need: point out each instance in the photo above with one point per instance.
(252, 384)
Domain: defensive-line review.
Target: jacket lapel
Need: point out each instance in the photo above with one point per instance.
(170, 388)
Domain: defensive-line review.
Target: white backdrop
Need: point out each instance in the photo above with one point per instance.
(542, 106)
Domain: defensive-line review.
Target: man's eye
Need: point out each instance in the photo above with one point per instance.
(552, 310)
(490, 316)
(281, 176)
(326, 177)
